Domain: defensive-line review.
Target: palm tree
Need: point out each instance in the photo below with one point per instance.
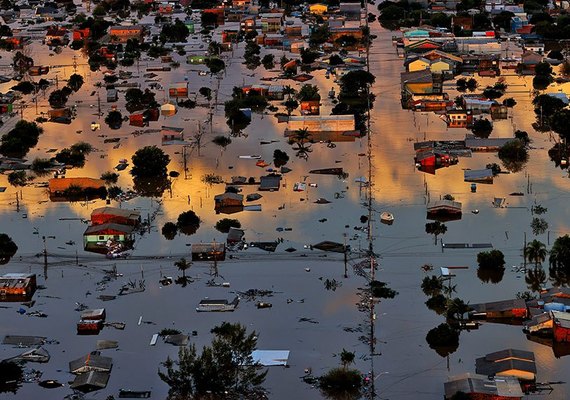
(535, 251)
(346, 358)
(183, 265)
(301, 136)
(457, 308)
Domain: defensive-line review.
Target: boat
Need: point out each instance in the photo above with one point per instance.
(387, 218)
(252, 157)
(210, 305)
(253, 197)
(327, 171)
(321, 200)
(261, 164)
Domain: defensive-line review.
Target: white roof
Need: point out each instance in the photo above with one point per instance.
(269, 358)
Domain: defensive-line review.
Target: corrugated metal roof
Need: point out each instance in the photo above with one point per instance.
(95, 229)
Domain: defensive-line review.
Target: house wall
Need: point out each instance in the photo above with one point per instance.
(419, 87)
(440, 66)
(321, 125)
(103, 238)
(561, 334)
(418, 65)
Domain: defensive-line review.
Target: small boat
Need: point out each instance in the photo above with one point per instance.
(253, 197)
(121, 166)
(475, 211)
(261, 164)
(252, 157)
(261, 304)
(322, 200)
(387, 218)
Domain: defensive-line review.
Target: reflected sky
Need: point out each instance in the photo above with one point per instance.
(412, 368)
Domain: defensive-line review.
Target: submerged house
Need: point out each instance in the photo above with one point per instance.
(171, 135)
(114, 215)
(63, 189)
(444, 210)
(90, 381)
(93, 361)
(270, 183)
(478, 175)
(228, 203)
(506, 309)
(519, 364)
(429, 161)
(481, 387)
(100, 238)
(321, 123)
(208, 251)
(17, 287)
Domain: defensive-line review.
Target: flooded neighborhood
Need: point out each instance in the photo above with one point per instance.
(259, 200)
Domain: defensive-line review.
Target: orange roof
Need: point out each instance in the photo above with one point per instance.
(60, 184)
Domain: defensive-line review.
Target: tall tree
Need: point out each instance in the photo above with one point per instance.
(226, 368)
(560, 253)
(150, 161)
(183, 265)
(535, 251)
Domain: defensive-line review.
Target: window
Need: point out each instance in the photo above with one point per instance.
(101, 237)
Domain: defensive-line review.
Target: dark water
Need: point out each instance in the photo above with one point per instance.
(407, 367)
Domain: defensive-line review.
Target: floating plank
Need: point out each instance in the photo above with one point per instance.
(154, 339)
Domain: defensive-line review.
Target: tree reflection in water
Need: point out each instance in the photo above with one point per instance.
(559, 276)
(535, 278)
(151, 187)
(490, 275)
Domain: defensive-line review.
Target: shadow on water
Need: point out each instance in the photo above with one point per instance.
(11, 376)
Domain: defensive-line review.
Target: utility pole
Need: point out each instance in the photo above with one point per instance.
(45, 257)
(98, 106)
(17, 203)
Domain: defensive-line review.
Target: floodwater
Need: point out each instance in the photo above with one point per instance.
(406, 368)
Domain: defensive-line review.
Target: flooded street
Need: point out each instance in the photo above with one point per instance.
(312, 322)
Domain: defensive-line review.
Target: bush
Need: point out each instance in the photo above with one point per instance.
(443, 336)
(482, 128)
(149, 162)
(7, 248)
(188, 222)
(340, 381)
(280, 158)
(225, 224)
(17, 178)
(169, 230)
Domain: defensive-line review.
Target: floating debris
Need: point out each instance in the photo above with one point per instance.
(50, 384)
(309, 320)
